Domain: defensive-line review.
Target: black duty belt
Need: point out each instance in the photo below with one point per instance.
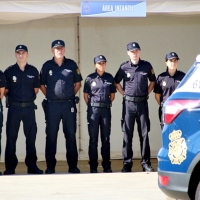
(101, 105)
(21, 104)
(135, 99)
(74, 99)
(59, 100)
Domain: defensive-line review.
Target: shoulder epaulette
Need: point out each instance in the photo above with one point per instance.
(9, 67)
(124, 63)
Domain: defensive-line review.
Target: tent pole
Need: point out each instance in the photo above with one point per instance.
(79, 105)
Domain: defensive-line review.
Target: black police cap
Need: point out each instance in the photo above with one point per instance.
(21, 47)
(99, 58)
(57, 43)
(133, 46)
(171, 55)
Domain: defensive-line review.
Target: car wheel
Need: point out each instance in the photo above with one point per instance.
(197, 195)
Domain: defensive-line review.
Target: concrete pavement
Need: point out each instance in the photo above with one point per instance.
(62, 185)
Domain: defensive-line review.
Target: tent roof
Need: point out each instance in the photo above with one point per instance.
(17, 11)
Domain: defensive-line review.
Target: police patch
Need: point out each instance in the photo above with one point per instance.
(152, 71)
(177, 148)
(78, 71)
(50, 72)
(93, 83)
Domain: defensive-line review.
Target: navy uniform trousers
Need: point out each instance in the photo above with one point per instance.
(1, 123)
(99, 117)
(15, 116)
(54, 113)
(136, 112)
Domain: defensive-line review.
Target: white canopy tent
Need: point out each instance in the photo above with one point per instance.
(169, 26)
(17, 11)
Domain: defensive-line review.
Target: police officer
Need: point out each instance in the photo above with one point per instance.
(135, 74)
(2, 90)
(167, 82)
(60, 81)
(99, 92)
(21, 89)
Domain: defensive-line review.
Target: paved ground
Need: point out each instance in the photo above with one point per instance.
(137, 185)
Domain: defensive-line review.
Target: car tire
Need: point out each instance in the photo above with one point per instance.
(197, 194)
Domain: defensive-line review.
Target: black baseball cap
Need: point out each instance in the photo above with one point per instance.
(21, 47)
(133, 46)
(99, 58)
(171, 55)
(57, 43)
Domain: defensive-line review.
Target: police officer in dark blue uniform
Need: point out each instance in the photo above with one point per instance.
(167, 82)
(60, 80)
(99, 92)
(22, 86)
(135, 74)
(2, 90)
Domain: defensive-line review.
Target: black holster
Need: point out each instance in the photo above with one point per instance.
(44, 106)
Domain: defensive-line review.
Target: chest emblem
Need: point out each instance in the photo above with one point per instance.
(164, 83)
(50, 72)
(177, 148)
(128, 75)
(14, 79)
(107, 83)
(29, 76)
(68, 70)
(93, 83)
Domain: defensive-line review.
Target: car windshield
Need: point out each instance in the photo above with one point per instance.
(191, 81)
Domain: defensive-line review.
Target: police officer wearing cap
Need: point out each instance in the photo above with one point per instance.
(135, 74)
(167, 82)
(2, 90)
(21, 89)
(60, 81)
(99, 92)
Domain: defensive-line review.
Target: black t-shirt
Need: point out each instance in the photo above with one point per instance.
(166, 84)
(135, 78)
(59, 81)
(99, 88)
(21, 84)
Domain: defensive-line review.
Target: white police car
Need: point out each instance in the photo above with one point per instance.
(179, 157)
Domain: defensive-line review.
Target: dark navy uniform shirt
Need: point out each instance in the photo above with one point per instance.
(21, 84)
(135, 78)
(59, 81)
(2, 80)
(166, 84)
(99, 88)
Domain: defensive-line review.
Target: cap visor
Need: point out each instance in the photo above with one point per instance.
(59, 45)
(20, 50)
(172, 58)
(101, 61)
(134, 49)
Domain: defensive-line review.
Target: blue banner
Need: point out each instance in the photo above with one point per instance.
(113, 8)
